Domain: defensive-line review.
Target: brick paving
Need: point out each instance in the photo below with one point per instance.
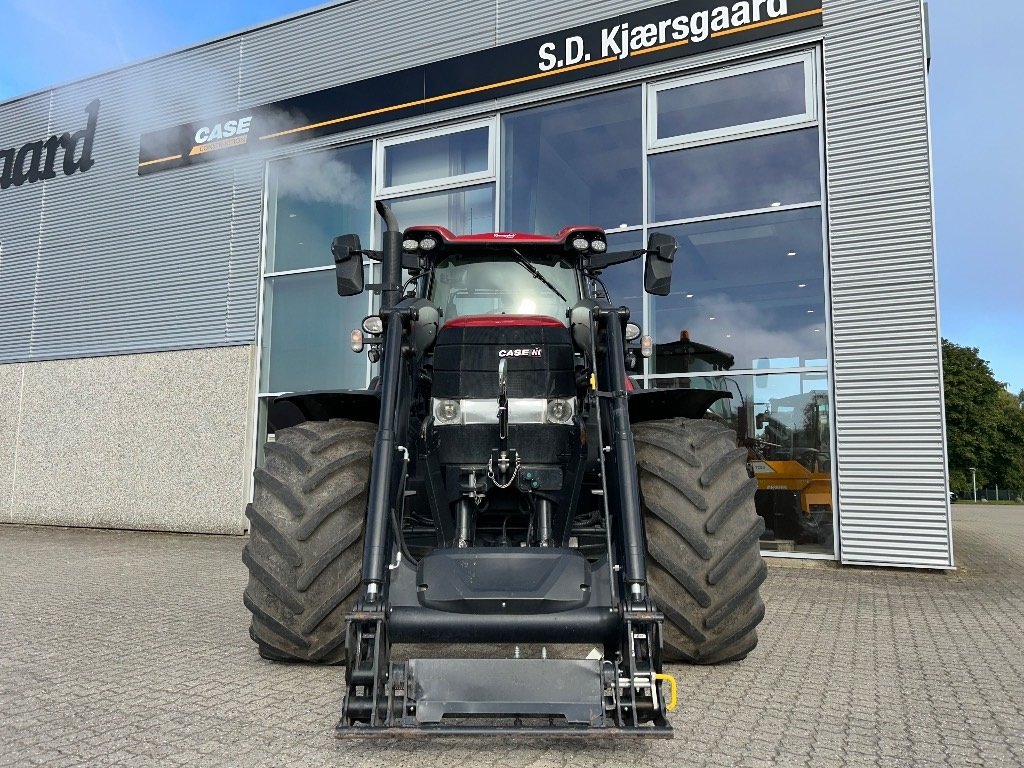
(132, 649)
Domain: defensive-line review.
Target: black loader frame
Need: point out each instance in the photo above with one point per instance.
(502, 528)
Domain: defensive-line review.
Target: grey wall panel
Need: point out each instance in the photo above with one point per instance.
(356, 40)
(153, 441)
(245, 251)
(21, 208)
(134, 264)
(886, 361)
(520, 19)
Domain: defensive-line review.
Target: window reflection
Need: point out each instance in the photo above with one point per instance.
(763, 172)
(305, 337)
(578, 162)
(625, 282)
(314, 197)
(437, 158)
(740, 99)
(752, 286)
(782, 420)
(463, 211)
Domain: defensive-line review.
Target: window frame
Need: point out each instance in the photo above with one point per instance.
(437, 184)
(808, 118)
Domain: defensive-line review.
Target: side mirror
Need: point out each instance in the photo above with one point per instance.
(661, 252)
(348, 264)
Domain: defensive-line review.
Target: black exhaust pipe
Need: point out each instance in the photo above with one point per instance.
(391, 267)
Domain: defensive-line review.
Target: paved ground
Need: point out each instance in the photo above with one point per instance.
(131, 649)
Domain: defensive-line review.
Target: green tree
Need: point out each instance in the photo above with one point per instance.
(984, 422)
(1009, 470)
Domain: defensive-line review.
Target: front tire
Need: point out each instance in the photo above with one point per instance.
(704, 565)
(305, 546)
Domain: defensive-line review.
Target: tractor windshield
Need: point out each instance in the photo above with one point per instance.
(489, 284)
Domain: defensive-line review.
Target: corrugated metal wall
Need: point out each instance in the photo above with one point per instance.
(112, 263)
(886, 361)
(20, 211)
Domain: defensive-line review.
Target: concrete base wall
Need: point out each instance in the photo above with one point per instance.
(151, 441)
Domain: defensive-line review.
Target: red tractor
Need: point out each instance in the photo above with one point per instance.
(502, 484)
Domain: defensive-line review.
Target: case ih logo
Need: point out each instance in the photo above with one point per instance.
(230, 133)
(37, 160)
(527, 352)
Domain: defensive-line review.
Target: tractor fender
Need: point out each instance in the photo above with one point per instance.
(353, 404)
(652, 404)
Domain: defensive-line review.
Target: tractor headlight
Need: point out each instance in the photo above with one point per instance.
(560, 411)
(632, 331)
(447, 412)
(373, 325)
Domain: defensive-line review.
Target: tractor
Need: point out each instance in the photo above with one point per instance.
(502, 486)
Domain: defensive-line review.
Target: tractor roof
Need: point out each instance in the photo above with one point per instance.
(448, 240)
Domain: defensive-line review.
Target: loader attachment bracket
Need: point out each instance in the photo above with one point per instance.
(595, 697)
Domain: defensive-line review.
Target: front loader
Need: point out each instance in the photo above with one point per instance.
(502, 485)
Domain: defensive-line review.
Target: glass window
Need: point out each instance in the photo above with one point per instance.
(314, 197)
(758, 98)
(783, 422)
(464, 211)
(625, 282)
(478, 285)
(751, 286)
(305, 337)
(578, 162)
(438, 158)
(763, 172)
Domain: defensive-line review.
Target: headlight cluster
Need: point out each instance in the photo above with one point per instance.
(521, 410)
(426, 243)
(581, 244)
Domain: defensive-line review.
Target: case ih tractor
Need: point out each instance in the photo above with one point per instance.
(502, 485)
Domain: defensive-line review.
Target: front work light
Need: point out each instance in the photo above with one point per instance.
(560, 411)
(580, 244)
(447, 412)
(373, 325)
(410, 244)
(599, 246)
(428, 243)
(632, 331)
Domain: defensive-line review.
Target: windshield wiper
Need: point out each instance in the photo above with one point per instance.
(532, 269)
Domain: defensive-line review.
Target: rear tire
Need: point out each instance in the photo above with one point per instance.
(704, 564)
(305, 545)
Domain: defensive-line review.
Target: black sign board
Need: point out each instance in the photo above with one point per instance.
(631, 40)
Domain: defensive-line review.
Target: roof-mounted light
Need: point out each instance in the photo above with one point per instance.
(599, 246)
(428, 243)
(580, 243)
(410, 244)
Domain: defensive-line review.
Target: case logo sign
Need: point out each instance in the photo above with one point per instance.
(535, 352)
(230, 133)
(40, 160)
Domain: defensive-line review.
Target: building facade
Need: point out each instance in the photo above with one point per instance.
(165, 236)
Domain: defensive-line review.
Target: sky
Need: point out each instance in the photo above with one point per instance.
(977, 114)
